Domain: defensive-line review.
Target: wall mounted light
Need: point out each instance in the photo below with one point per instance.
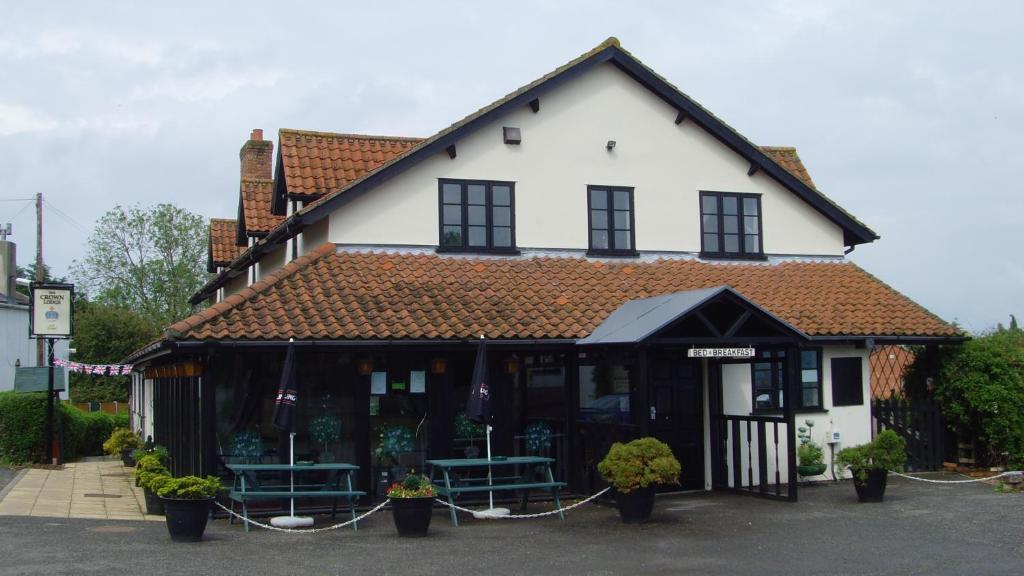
(364, 366)
(439, 365)
(511, 365)
(512, 135)
(610, 145)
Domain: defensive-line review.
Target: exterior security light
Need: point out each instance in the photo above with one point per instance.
(610, 145)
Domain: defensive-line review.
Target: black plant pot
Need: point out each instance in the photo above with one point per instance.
(154, 504)
(127, 458)
(871, 489)
(186, 519)
(636, 506)
(412, 515)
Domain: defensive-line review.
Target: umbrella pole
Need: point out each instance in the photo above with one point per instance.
(490, 493)
(291, 463)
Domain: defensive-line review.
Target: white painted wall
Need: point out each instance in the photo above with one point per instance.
(853, 422)
(313, 236)
(563, 150)
(273, 261)
(15, 345)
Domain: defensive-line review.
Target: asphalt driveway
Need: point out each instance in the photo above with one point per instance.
(921, 529)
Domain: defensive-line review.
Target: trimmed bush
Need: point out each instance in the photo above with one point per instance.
(23, 424)
(638, 464)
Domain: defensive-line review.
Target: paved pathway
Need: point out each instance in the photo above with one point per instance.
(98, 489)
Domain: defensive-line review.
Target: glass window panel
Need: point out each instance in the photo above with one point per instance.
(809, 376)
(709, 204)
(502, 236)
(750, 225)
(622, 241)
(762, 377)
(502, 215)
(477, 236)
(810, 397)
(711, 243)
(452, 214)
(452, 193)
(501, 195)
(750, 206)
(730, 205)
(599, 219)
(599, 239)
(710, 223)
(621, 199)
(598, 199)
(477, 194)
(478, 215)
(764, 400)
(730, 224)
(750, 245)
(452, 236)
(732, 243)
(808, 358)
(622, 219)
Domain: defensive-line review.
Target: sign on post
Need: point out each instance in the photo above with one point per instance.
(52, 308)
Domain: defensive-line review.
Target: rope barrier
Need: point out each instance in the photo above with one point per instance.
(929, 480)
(308, 531)
(527, 516)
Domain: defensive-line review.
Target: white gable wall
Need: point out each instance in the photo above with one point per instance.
(563, 151)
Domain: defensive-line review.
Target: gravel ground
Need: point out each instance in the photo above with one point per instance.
(920, 529)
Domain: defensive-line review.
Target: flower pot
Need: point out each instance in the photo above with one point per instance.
(811, 469)
(127, 458)
(154, 505)
(636, 506)
(412, 515)
(872, 489)
(186, 519)
(471, 452)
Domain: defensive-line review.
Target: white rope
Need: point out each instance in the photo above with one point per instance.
(309, 531)
(526, 516)
(954, 481)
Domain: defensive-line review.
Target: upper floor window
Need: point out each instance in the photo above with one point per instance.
(730, 225)
(477, 216)
(611, 220)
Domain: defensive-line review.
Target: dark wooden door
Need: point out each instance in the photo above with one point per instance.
(677, 412)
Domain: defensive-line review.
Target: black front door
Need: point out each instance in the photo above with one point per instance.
(677, 412)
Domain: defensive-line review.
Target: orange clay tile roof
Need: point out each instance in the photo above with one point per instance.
(315, 163)
(364, 295)
(256, 195)
(787, 157)
(223, 247)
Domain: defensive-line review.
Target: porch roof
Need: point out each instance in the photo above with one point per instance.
(638, 320)
(360, 295)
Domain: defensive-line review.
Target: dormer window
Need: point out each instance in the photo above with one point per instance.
(477, 216)
(730, 225)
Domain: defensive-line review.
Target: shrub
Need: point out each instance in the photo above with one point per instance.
(121, 439)
(154, 481)
(23, 423)
(413, 486)
(189, 488)
(639, 464)
(810, 454)
(888, 451)
(157, 451)
(84, 432)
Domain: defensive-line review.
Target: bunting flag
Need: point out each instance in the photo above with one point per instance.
(95, 369)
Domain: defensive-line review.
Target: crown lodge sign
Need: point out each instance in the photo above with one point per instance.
(51, 310)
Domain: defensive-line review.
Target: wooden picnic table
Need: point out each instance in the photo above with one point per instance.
(453, 481)
(248, 485)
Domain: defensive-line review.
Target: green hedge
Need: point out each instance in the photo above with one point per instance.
(23, 420)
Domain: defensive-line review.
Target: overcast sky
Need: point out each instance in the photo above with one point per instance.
(908, 114)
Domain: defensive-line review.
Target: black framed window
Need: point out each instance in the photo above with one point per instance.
(847, 381)
(768, 379)
(477, 216)
(730, 225)
(611, 220)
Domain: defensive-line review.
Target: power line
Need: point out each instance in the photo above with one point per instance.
(16, 199)
(66, 217)
(28, 203)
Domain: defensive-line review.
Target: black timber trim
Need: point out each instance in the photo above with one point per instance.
(451, 150)
(854, 232)
(680, 117)
(279, 199)
(535, 105)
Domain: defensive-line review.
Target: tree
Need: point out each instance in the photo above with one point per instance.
(29, 273)
(981, 390)
(105, 335)
(149, 261)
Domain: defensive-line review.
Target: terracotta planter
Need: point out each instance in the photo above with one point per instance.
(186, 519)
(873, 488)
(412, 515)
(636, 506)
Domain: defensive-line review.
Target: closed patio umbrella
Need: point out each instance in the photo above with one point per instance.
(284, 419)
(478, 409)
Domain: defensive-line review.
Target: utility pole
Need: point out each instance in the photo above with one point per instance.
(40, 343)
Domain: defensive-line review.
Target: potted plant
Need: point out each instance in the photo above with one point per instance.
(187, 505)
(635, 470)
(469, 431)
(122, 442)
(325, 429)
(812, 459)
(148, 470)
(412, 504)
(394, 440)
(155, 451)
(870, 464)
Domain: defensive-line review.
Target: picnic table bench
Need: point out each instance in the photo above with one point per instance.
(452, 482)
(248, 485)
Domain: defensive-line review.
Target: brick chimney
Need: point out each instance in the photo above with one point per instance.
(257, 157)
